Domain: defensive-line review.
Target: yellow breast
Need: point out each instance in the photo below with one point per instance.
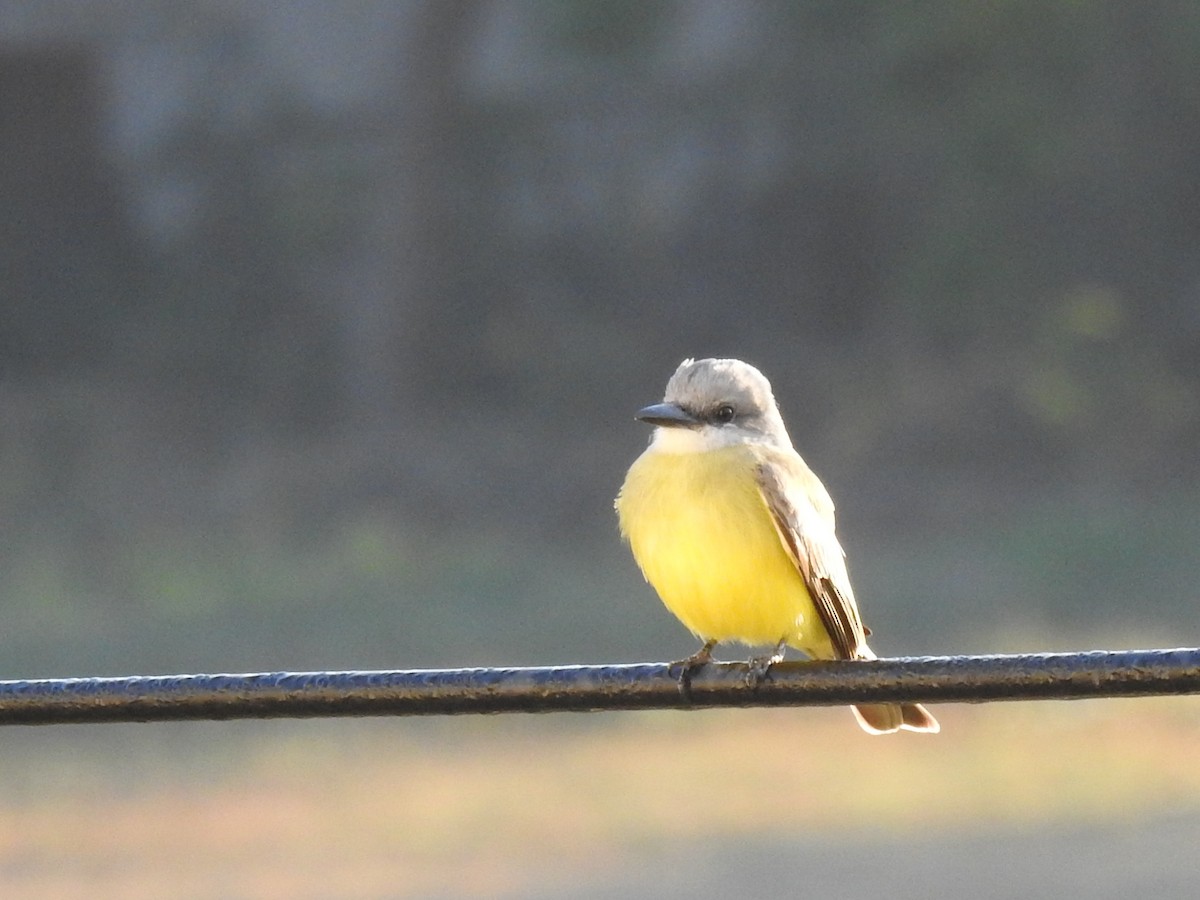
(703, 536)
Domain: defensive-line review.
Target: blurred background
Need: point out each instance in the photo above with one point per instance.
(322, 329)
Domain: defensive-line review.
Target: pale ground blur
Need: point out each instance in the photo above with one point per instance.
(1092, 798)
(1147, 858)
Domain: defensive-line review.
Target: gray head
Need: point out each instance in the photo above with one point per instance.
(711, 403)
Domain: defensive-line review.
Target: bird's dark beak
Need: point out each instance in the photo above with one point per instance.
(667, 415)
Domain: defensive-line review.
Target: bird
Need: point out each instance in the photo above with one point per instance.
(735, 532)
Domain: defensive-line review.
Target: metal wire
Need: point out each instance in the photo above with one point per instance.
(971, 679)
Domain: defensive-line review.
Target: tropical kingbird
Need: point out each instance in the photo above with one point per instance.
(735, 532)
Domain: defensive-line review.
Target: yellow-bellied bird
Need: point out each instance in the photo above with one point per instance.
(735, 532)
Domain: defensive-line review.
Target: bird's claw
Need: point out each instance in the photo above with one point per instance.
(758, 667)
(688, 667)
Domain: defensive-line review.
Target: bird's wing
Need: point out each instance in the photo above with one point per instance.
(803, 515)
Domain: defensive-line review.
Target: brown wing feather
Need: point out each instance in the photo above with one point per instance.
(812, 546)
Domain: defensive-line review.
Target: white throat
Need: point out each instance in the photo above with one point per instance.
(696, 440)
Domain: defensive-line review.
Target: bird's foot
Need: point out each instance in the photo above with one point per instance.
(758, 667)
(687, 667)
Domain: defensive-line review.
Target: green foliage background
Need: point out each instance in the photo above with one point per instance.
(296, 382)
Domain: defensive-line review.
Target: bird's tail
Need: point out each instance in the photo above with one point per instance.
(884, 718)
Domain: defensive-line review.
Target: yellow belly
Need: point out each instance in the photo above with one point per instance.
(703, 537)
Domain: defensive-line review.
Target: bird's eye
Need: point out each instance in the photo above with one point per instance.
(723, 414)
